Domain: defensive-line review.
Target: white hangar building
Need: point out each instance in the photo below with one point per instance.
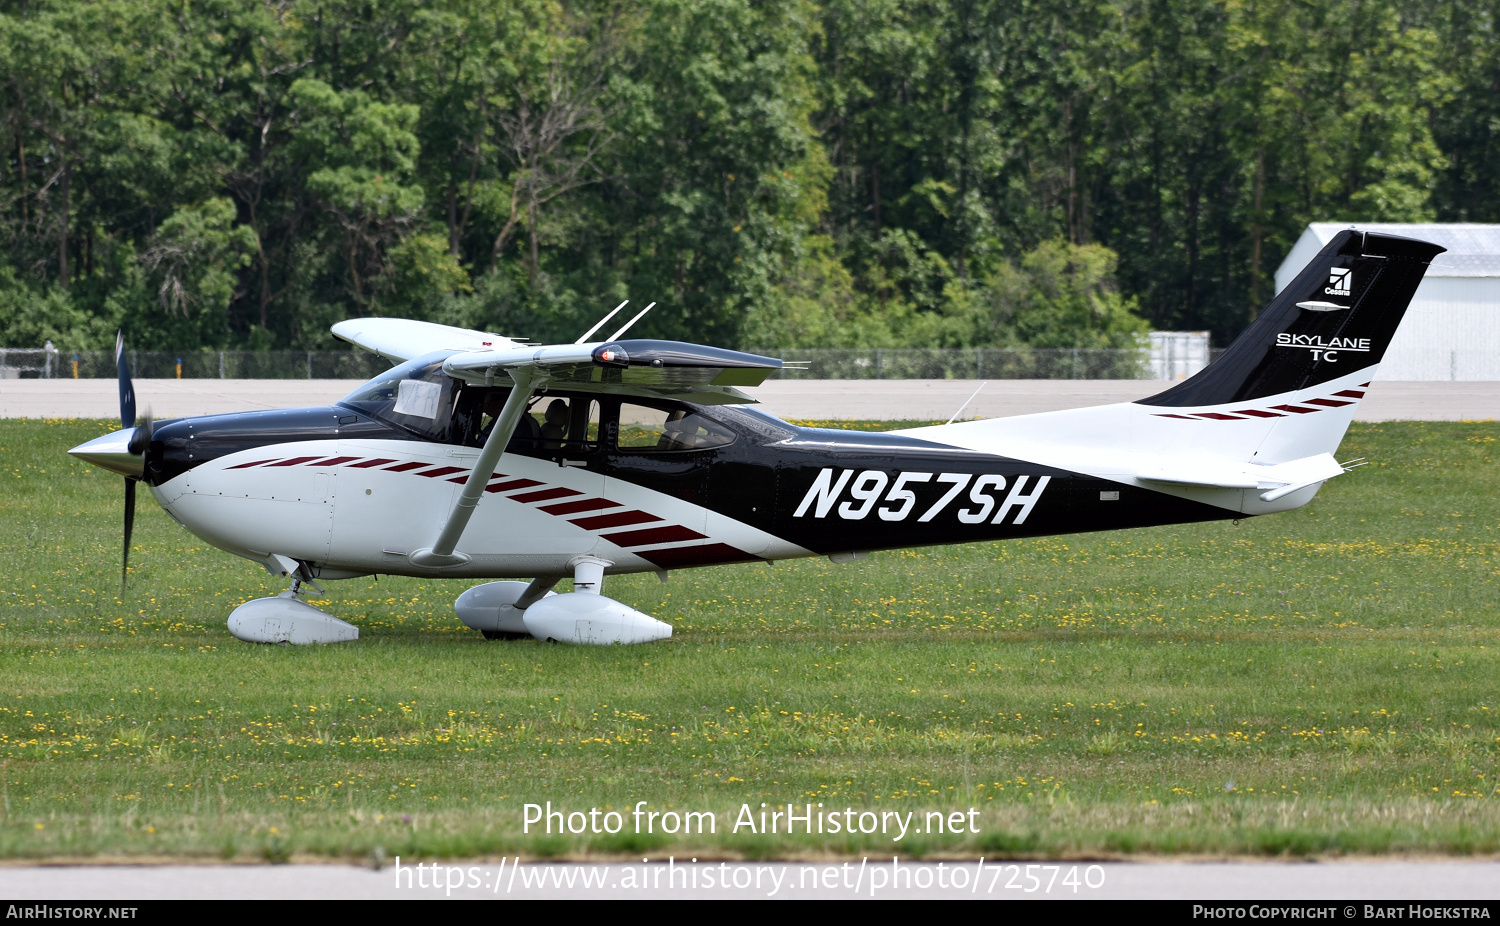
(1452, 329)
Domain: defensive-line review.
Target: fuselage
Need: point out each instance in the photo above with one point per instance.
(351, 492)
(480, 457)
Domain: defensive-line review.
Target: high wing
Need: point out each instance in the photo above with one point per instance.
(695, 372)
(400, 339)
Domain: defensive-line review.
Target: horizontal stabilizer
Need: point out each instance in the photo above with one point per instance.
(1273, 481)
(1213, 477)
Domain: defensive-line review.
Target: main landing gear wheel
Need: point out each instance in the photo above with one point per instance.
(506, 609)
(494, 609)
(502, 635)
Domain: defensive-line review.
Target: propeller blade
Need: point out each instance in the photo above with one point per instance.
(129, 527)
(127, 391)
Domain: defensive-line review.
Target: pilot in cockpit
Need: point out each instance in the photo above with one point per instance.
(554, 430)
(527, 431)
(678, 432)
(549, 434)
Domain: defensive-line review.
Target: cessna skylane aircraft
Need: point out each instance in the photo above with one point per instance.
(480, 457)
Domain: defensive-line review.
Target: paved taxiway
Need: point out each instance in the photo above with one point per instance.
(816, 399)
(1446, 883)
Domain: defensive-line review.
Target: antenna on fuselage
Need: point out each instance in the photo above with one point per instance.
(600, 324)
(966, 402)
(637, 318)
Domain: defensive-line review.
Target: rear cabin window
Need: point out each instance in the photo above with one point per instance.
(645, 427)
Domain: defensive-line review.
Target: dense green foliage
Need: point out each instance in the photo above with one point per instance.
(1323, 680)
(217, 173)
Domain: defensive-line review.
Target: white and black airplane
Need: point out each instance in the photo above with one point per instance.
(480, 457)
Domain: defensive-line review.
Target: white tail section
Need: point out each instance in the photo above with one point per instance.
(1253, 457)
(1255, 431)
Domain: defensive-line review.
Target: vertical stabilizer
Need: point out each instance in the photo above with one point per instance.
(1337, 317)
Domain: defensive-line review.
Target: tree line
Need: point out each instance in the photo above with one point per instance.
(774, 173)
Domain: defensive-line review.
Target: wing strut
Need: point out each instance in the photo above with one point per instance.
(527, 380)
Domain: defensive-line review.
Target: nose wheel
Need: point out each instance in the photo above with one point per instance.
(301, 575)
(286, 618)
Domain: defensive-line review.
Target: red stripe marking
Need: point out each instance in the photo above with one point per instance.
(1217, 416)
(1258, 413)
(577, 505)
(294, 461)
(1296, 408)
(543, 495)
(248, 465)
(1183, 417)
(1364, 385)
(405, 466)
(369, 463)
(513, 484)
(618, 519)
(670, 534)
(334, 461)
(708, 553)
(1351, 393)
(441, 471)
(464, 479)
(1331, 403)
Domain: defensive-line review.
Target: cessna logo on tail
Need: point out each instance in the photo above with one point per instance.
(866, 490)
(1340, 279)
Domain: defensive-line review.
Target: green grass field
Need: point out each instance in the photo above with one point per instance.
(1322, 681)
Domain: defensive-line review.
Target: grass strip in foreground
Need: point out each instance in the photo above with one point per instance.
(1321, 681)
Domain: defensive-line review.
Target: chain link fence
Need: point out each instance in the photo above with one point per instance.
(964, 363)
(903, 363)
(201, 364)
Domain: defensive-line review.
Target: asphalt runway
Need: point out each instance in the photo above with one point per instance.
(1444, 883)
(803, 399)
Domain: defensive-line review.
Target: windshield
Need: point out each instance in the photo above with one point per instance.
(414, 396)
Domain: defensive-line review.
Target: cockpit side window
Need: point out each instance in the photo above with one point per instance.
(553, 423)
